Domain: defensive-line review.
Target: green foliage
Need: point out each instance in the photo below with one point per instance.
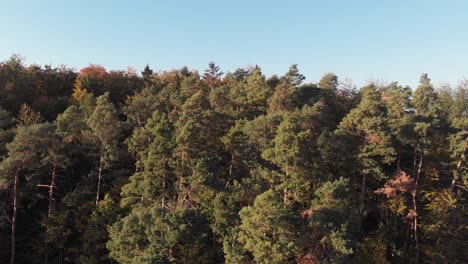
(293, 76)
(6, 132)
(105, 127)
(96, 235)
(71, 125)
(371, 250)
(333, 221)
(367, 125)
(141, 106)
(446, 227)
(268, 230)
(235, 168)
(329, 81)
(154, 235)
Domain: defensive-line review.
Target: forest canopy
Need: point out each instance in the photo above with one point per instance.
(178, 166)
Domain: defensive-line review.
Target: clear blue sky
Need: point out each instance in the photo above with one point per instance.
(385, 40)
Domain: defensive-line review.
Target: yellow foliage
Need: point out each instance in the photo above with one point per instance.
(78, 92)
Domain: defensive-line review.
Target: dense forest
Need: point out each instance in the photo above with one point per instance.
(179, 166)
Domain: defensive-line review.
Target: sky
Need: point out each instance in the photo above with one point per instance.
(362, 40)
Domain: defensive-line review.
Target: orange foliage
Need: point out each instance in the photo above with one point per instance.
(305, 214)
(94, 70)
(401, 182)
(373, 139)
(307, 258)
(412, 214)
(168, 76)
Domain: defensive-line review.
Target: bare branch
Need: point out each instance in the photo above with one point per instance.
(462, 187)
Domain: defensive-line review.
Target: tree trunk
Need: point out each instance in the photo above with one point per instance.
(363, 190)
(415, 227)
(51, 188)
(232, 164)
(99, 179)
(285, 197)
(51, 201)
(171, 253)
(163, 198)
(455, 177)
(180, 179)
(13, 218)
(415, 209)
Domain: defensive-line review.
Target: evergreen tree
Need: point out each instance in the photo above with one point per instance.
(22, 167)
(268, 230)
(367, 123)
(292, 154)
(147, 74)
(329, 81)
(293, 76)
(6, 131)
(152, 146)
(105, 129)
(158, 236)
(212, 74)
(333, 222)
(96, 235)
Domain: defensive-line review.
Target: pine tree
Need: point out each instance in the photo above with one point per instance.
(459, 139)
(268, 230)
(333, 222)
(152, 146)
(23, 162)
(293, 76)
(105, 128)
(147, 74)
(329, 81)
(6, 131)
(96, 235)
(292, 154)
(367, 123)
(428, 138)
(212, 74)
(154, 235)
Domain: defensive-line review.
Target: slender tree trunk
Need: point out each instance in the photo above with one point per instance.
(181, 174)
(14, 217)
(138, 120)
(363, 190)
(171, 253)
(455, 177)
(51, 201)
(415, 227)
(51, 187)
(163, 198)
(232, 164)
(285, 197)
(415, 209)
(99, 179)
